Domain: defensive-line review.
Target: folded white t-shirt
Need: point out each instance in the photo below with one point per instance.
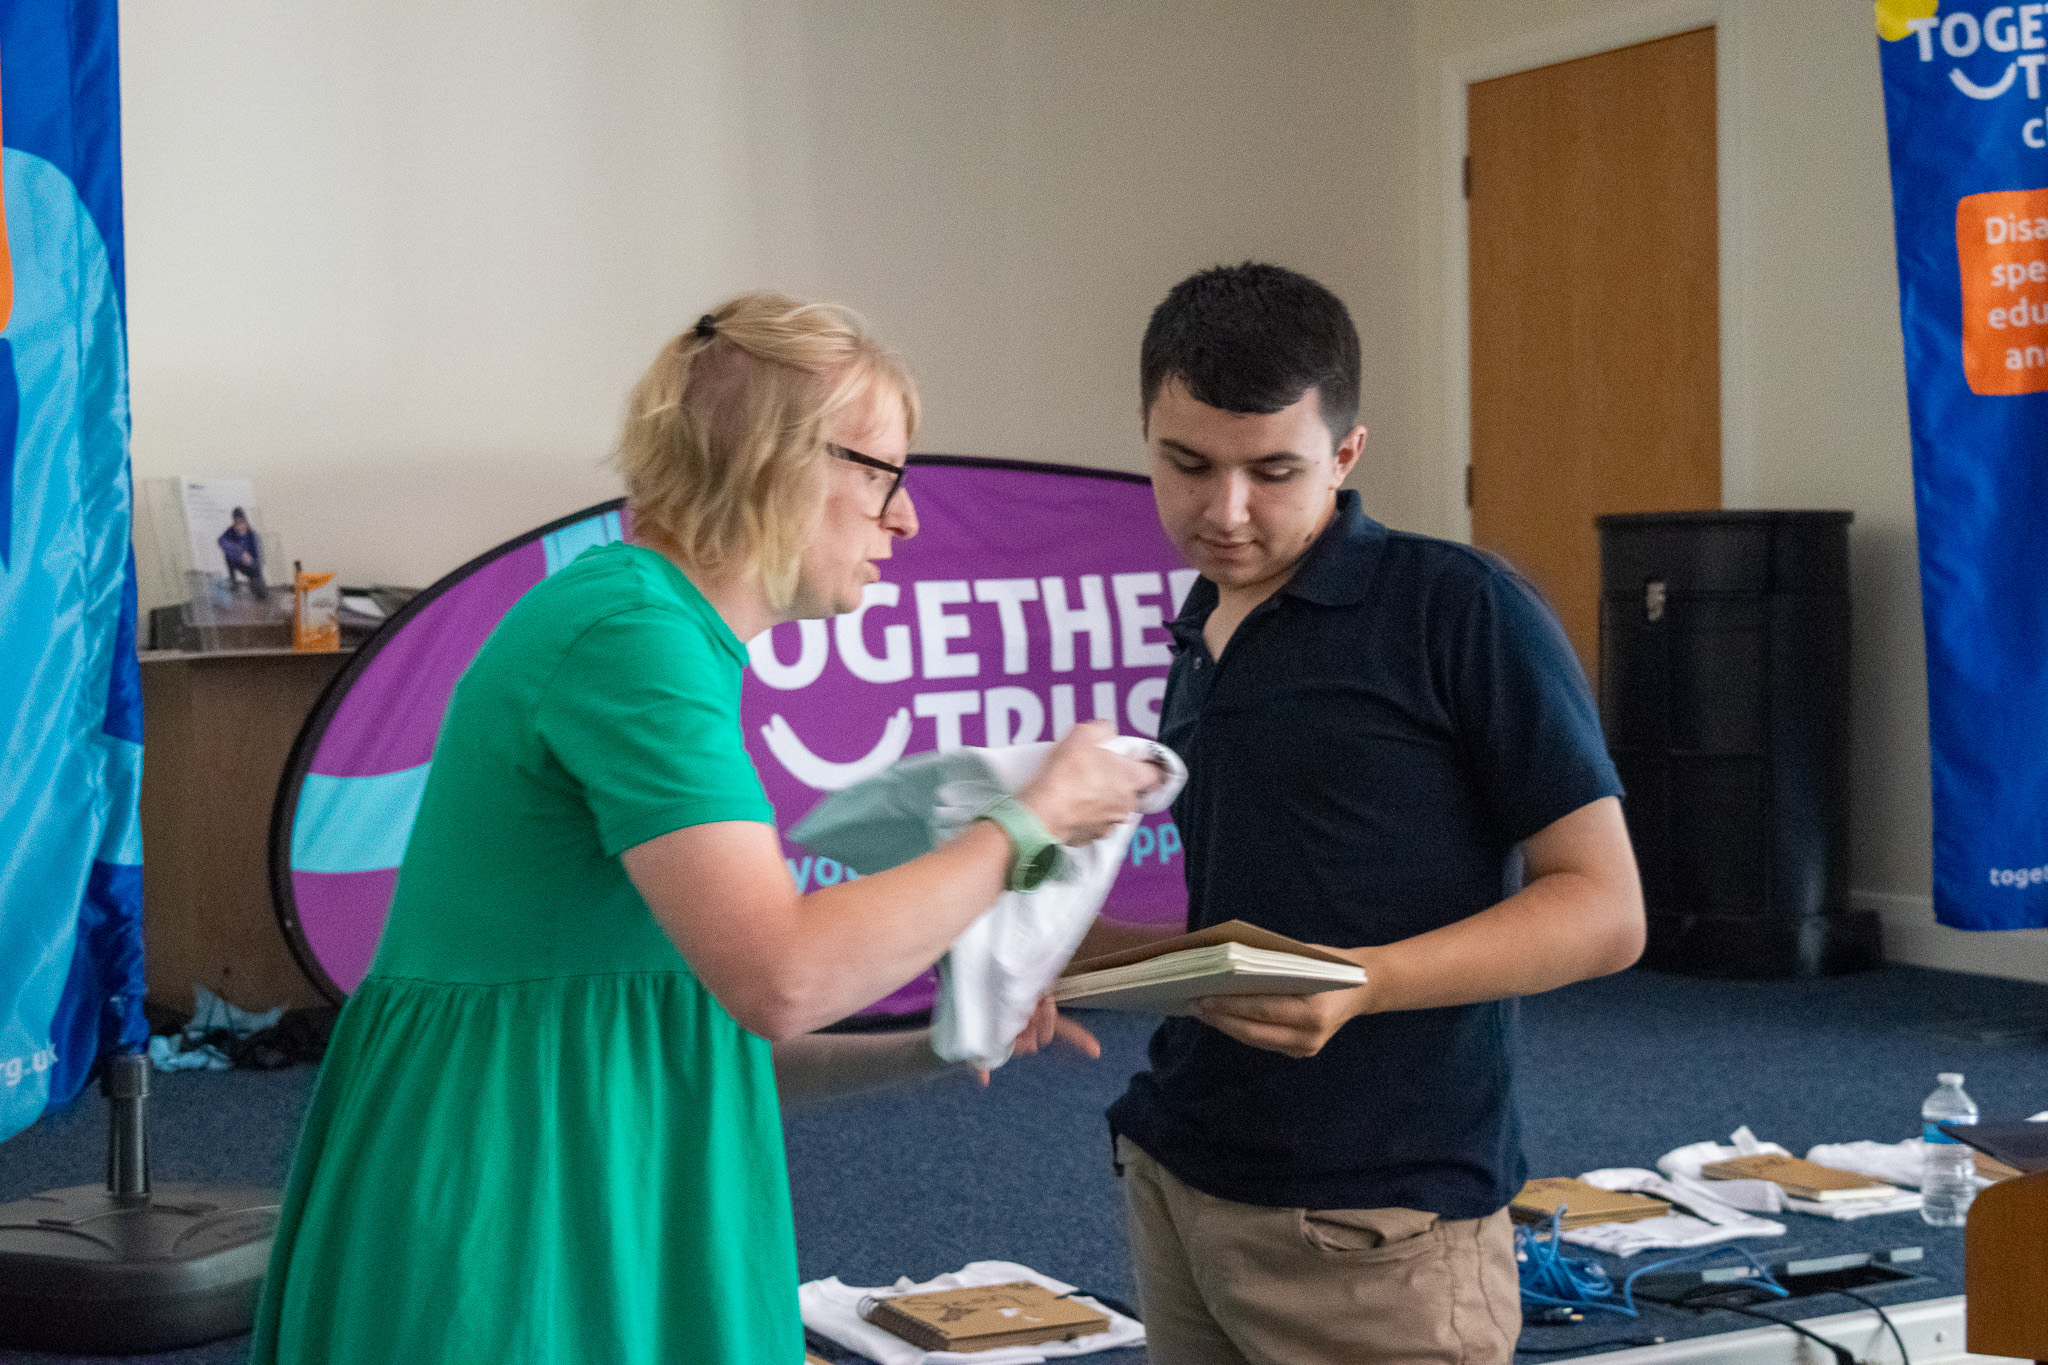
(1709, 1221)
(1902, 1163)
(1765, 1196)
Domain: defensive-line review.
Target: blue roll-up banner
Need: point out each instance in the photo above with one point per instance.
(1966, 101)
(71, 981)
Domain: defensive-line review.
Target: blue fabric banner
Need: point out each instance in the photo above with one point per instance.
(71, 981)
(1968, 119)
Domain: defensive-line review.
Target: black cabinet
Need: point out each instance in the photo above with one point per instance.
(1724, 690)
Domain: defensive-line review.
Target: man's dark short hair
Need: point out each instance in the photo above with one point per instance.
(1254, 338)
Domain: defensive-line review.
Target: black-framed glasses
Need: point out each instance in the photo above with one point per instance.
(894, 471)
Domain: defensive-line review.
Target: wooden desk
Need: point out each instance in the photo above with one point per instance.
(217, 728)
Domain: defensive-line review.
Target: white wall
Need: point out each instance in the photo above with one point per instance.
(1010, 189)
(401, 263)
(1815, 411)
(398, 262)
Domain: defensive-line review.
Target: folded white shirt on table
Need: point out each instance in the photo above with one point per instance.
(1688, 1160)
(1899, 1162)
(1709, 1218)
(1764, 1196)
(832, 1309)
(1846, 1210)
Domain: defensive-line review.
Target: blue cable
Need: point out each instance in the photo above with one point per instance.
(1763, 1279)
(1549, 1278)
(1552, 1279)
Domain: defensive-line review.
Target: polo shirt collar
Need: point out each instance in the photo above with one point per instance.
(1334, 571)
(1186, 626)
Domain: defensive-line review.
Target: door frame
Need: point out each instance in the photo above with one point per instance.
(1547, 46)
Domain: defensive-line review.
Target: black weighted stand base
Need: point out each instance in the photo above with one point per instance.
(124, 1269)
(1748, 948)
(83, 1274)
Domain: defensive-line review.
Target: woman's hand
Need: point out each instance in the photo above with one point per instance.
(1083, 791)
(783, 963)
(1047, 1025)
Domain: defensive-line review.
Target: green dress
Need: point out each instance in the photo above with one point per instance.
(536, 1136)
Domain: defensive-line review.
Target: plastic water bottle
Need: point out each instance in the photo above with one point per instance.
(1948, 1179)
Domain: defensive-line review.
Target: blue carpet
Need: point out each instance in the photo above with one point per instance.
(1613, 1072)
(1618, 1071)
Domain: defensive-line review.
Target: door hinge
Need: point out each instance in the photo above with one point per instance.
(1468, 175)
(1468, 485)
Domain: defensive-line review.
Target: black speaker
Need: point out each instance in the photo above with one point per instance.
(1724, 690)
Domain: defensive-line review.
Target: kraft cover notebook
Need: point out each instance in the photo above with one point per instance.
(1582, 1203)
(985, 1317)
(1233, 958)
(1798, 1177)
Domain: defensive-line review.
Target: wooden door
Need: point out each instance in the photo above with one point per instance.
(1596, 377)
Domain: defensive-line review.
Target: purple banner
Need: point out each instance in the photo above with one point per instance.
(1033, 597)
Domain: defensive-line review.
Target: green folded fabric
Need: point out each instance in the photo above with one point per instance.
(889, 819)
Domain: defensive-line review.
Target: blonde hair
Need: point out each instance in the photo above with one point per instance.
(723, 449)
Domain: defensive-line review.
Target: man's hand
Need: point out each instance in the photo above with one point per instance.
(1047, 1025)
(1293, 1025)
(1579, 916)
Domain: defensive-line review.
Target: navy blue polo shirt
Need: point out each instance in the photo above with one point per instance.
(1378, 737)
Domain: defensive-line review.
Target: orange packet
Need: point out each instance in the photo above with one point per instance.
(316, 613)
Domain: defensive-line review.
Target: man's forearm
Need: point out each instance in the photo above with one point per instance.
(1561, 928)
(1581, 915)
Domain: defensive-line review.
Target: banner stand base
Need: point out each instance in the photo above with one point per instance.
(125, 1268)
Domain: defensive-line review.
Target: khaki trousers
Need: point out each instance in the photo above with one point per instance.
(1222, 1283)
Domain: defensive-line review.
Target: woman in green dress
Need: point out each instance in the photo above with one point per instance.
(548, 1126)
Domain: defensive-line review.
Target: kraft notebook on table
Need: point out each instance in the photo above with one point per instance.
(1233, 958)
(985, 1317)
(1582, 1204)
(1799, 1178)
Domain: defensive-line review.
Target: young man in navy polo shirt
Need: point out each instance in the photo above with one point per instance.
(1376, 725)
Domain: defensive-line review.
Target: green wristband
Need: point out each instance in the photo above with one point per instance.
(1034, 853)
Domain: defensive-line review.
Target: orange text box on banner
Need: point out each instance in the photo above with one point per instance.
(2002, 248)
